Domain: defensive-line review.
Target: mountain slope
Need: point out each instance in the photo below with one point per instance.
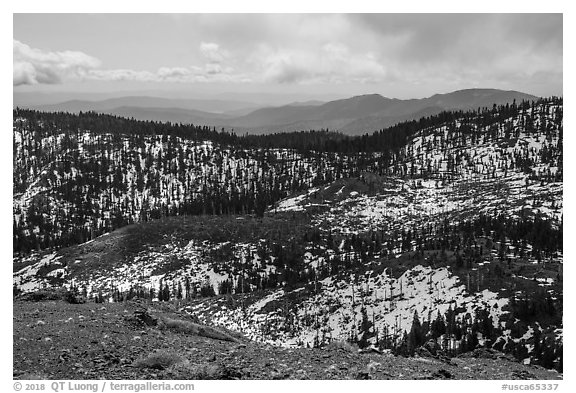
(474, 98)
(362, 114)
(174, 115)
(353, 116)
(450, 240)
(345, 109)
(214, 106)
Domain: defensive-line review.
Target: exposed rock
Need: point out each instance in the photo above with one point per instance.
(146, 318)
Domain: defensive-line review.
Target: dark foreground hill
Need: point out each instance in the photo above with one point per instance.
(135, 340)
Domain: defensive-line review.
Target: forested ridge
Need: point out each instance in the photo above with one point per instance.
(339, 237)
(78, 176)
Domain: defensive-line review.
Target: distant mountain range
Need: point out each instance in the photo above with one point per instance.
(355, 115)
(110, 104)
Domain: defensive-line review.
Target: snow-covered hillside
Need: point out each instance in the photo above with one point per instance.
(454, 237)
(335, 310)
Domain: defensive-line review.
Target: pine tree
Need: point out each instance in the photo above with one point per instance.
(416, 336)
(166, 293)
(365, 326)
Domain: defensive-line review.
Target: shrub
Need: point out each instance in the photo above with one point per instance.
(160, 359)
(45, 294)
(40, 295)
(74, 298)
(204, 371)
(189, 327)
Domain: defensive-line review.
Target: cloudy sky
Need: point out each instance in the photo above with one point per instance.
(396, 55)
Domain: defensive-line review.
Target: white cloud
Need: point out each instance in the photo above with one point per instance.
(440, 51)
(212, 52)
(24, 73)
(122, 75)
(33, 66)
(173, 72)
(333, 63)
(209, 73)
(392, 52)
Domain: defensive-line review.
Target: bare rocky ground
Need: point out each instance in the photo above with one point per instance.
(57, 340)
